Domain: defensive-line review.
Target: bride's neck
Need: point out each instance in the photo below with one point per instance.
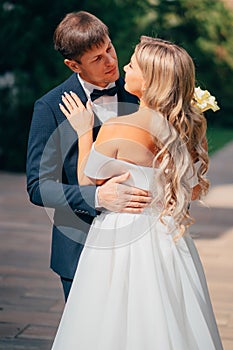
(142, 104)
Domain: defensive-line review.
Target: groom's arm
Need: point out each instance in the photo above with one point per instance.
(44, 172)
(45, 166)
(115, 196)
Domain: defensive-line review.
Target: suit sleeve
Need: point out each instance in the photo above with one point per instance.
(45, 167)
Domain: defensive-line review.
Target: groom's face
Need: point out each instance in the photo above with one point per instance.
(98, 66)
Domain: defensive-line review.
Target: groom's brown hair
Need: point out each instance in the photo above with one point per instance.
(77, 33)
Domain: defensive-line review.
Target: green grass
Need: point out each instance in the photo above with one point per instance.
(218, 137)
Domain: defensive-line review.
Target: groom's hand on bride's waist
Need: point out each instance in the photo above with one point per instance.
(115, 196)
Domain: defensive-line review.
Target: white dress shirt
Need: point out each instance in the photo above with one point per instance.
(105, 106)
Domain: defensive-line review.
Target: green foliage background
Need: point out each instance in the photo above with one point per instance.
(29, 66)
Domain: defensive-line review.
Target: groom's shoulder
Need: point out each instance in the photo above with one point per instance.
(56, 92)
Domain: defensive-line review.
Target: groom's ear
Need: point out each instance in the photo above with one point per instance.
(72, 64)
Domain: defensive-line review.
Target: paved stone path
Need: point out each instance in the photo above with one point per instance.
(31, 300)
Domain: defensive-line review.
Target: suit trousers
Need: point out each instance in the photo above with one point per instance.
(66, 285)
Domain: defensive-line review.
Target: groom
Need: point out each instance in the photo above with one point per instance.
(83, 40)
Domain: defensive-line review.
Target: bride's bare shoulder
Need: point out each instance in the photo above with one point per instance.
(135, 126)
(141, 118)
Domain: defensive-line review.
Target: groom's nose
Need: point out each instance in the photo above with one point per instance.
(109, 59)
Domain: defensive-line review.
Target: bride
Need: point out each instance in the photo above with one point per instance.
(140, 284)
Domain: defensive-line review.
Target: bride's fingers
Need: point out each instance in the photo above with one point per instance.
(69, 102)
(64, 111)
(77, 100)
(90, 111)
(89, 106)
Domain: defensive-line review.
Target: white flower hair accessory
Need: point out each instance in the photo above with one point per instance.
(204, 101)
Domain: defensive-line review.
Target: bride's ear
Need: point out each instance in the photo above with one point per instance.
(73, 65)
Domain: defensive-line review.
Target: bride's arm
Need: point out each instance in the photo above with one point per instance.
(113, 195)
(84, 146)
(81, 119)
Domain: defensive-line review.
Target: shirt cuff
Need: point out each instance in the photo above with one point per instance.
(97, 206)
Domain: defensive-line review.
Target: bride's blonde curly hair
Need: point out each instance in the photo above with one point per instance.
(169, 76)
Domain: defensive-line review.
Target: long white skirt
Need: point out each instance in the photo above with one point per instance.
(137, 289)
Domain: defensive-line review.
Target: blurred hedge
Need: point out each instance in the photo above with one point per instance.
(29, 66)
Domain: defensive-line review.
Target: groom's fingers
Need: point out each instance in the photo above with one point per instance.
(140, 199)
(137, 204)
(135, 191)
(117, 196)
(132, 210)
(120, 178)
(135, 194)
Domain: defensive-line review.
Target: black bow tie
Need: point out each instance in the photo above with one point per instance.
(98, 93)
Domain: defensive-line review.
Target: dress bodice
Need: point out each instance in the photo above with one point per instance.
(102, 167)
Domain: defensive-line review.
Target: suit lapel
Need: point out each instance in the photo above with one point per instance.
(73, 84)
(127, 103)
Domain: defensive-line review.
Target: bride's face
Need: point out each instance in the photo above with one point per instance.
(134, 81)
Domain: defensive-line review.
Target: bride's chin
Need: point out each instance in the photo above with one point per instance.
(126, 87)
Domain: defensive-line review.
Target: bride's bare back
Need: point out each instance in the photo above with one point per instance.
(128, 138)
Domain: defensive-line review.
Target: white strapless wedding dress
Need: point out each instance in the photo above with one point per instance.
(135, 287)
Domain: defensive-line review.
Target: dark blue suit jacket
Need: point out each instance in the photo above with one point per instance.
(51, 173)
